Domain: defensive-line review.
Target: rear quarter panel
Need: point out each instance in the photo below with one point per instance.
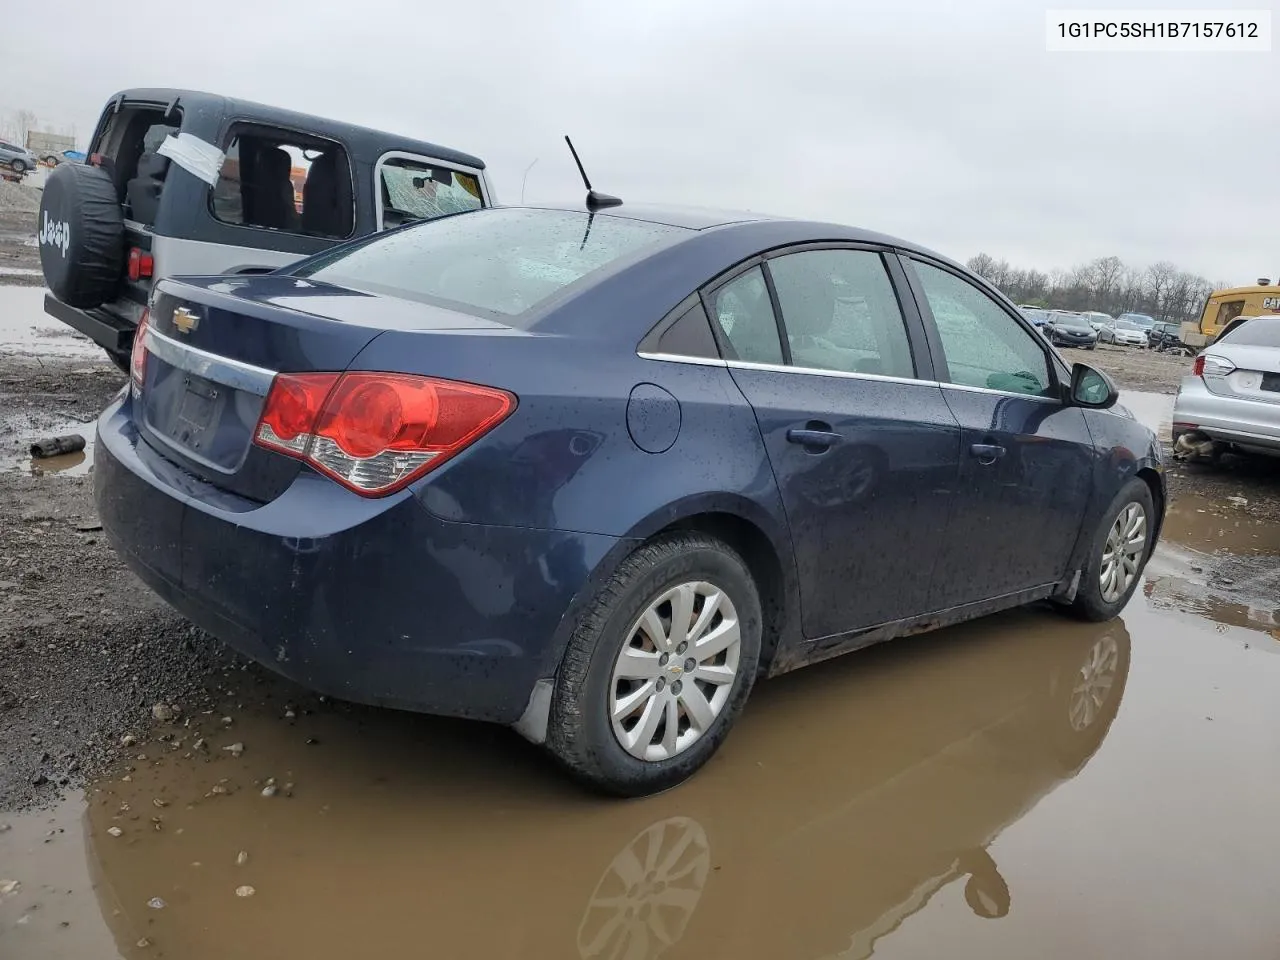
(566, 458)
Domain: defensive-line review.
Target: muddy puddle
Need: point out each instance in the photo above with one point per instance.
(1215, 560)
(25, 329)
(1022, 786)
(28, 426)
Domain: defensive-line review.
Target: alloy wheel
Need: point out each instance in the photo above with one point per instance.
(1122, 553)
(675, 672)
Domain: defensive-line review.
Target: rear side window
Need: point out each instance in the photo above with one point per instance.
(504, 261)
(277, 180)
(744, 314)
(840, 312)
(417, 190)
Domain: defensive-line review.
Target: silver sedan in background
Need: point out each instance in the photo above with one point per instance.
(1232, 398)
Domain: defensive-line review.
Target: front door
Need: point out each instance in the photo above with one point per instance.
(864, 447)
(1026, 457)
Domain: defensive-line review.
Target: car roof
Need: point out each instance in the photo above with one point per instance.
(708, 218)
(303, 122)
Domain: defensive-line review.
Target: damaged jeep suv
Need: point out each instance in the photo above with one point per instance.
(185, 183)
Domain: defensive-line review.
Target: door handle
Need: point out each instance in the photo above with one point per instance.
(813, 438)
(987, 453)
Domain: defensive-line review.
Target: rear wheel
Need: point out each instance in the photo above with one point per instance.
(1118, 554)
(658, 668)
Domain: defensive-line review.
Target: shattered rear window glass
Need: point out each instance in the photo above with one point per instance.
(504, 261)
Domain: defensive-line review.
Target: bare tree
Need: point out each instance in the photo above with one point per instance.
(24, 121)
(1106, 284)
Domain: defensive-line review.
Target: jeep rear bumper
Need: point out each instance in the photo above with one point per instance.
(113, 333)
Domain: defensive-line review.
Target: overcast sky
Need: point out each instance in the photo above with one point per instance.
(947, 125)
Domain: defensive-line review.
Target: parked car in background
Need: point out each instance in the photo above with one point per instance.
(1165, 336)
(1232, 397)
(1037, 315)
(1064, 329)
(1123, 333)
(1097, 319)
(390, 472)
(16, 158)
(197, 184)
(1138, 320)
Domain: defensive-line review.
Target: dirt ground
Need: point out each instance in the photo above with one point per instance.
(160, 797)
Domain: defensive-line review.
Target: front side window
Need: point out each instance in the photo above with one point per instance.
(983, 345)
(744, 314)
(504, 261)
(277, 180)
(840, 312)
(416, 190)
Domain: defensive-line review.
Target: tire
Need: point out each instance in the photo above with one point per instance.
(581, 732)
(81, 235)
(1092, 346)
(18, 165)
(1091, 602)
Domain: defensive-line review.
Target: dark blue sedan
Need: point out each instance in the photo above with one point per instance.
(589, 472)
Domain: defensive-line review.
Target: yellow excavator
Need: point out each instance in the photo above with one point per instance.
(1227, 305)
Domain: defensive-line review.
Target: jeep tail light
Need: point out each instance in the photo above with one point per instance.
(140, 264)
(1211, 366)
(138, 357)
(375, 433)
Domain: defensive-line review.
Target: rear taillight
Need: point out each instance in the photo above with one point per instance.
(140, 264)
(138, 358)
(376, 432)
(1211, 366)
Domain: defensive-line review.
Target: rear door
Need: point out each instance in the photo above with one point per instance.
(862, 443)
(1027, 458)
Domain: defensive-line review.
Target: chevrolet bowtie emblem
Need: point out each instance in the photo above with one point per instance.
(185, 320)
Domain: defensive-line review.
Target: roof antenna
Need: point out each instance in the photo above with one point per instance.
(595, 200)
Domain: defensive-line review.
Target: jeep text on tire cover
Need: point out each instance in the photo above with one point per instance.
(55, 233)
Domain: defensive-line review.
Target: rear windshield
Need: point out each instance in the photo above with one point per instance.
(1262, 332)
(503, 261)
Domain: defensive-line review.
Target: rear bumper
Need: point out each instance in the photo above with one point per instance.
(108, 331)
(1254, 424)
(375, 601)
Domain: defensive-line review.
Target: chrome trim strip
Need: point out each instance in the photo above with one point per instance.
(676, 358)
(999, 393)
(232, 373)
(818, 371)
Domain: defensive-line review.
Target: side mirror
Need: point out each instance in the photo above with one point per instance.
(1092, 388)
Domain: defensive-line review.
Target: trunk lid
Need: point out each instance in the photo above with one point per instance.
(1256, 375)
(214, 345)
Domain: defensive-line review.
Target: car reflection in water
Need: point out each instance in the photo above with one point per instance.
(846, 800)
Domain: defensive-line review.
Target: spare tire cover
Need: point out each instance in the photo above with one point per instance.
(81, 235)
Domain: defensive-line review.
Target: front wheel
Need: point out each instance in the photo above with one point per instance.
(18, 165)
(1119, 552)
(658, 668)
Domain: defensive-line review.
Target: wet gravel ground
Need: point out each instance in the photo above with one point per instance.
(86, 651)
(18, 252)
